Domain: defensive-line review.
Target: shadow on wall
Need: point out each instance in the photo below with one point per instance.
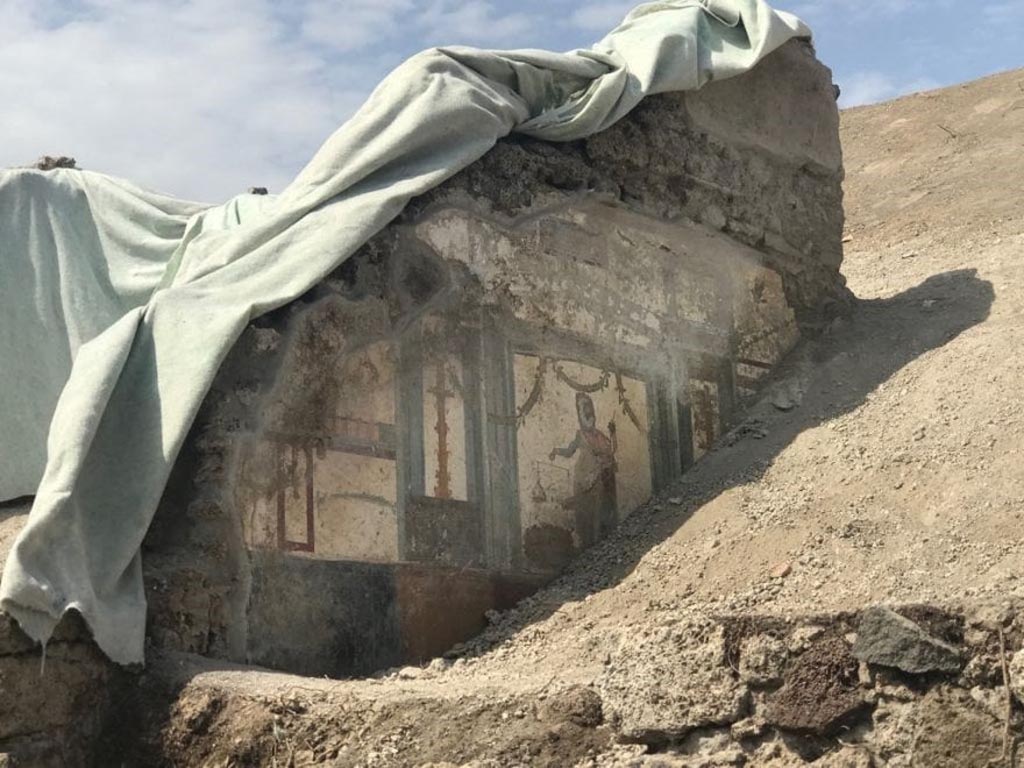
(875, 342)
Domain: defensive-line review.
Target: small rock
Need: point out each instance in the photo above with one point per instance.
(52, 162)
(579, 705)
(783, 402)
(786, 398)
(781, 570)
(439, 665)
(409, 673)
(885, 637)
(983, 670)
(802, 637)
(714, 217)
(762, 660)
(865, 675)
(991, 700)
(750, 728)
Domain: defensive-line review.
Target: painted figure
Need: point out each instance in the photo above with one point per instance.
(594, 499)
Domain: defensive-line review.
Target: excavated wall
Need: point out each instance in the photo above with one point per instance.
(499, 377)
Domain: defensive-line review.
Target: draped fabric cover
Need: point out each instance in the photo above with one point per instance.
(119, 304)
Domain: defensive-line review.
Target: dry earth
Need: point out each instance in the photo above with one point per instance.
(883, 466)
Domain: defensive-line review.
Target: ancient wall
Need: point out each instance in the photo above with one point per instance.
(499, 378)
(55, 701)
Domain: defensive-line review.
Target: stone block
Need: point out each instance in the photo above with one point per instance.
(885, 637)
(663, 685)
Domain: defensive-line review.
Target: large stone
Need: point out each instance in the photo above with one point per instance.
(821, 691)
(666, 684)
(884, 637)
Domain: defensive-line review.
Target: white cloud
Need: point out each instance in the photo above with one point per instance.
(199, 98)
(469, 22)
(203, 98)
(350, 25)
(601, 17)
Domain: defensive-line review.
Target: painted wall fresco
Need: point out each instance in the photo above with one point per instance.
(593, 354)
(417, 464)
(765, 327)
(335, 491)
(705, 416)
(584, 454)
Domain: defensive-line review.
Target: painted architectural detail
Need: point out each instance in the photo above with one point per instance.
(335, 490)
(444, 427)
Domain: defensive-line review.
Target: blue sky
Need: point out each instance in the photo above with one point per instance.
(204, 98)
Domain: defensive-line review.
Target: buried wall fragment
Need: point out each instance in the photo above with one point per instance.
(499, 378)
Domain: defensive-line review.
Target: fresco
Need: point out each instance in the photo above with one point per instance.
(581, 359)
(335, 491)
(584, 454)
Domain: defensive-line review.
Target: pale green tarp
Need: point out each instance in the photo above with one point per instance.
(119, 304)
